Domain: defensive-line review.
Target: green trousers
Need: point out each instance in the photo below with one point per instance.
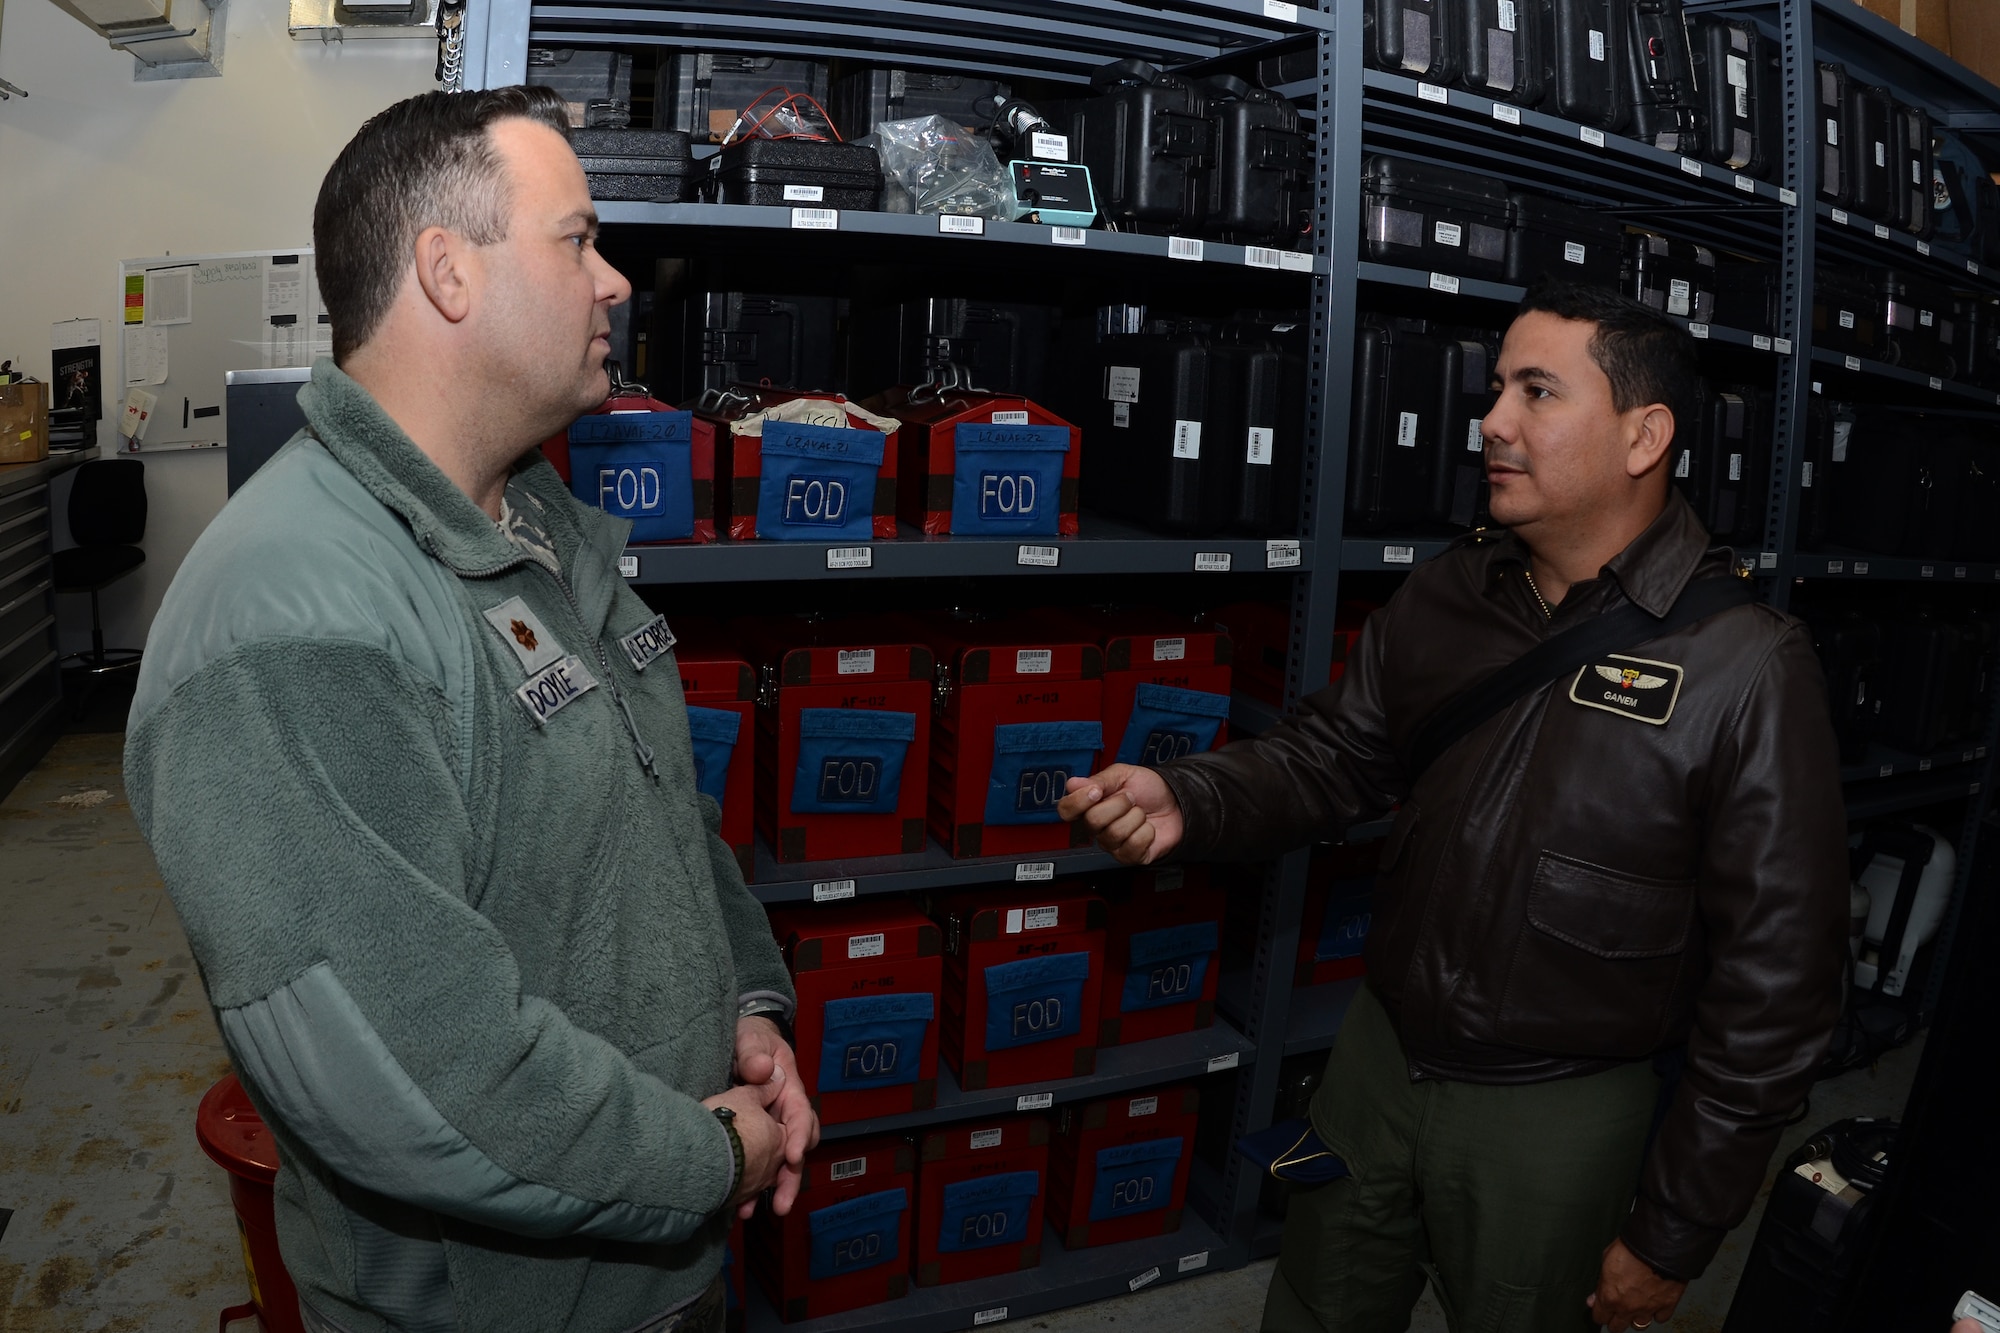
(1502, 1197)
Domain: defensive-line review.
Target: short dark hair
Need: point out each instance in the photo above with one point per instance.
(427, 161)
(1647, 357)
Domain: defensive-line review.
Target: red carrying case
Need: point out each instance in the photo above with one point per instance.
(1179, 666)
(1010, 481)
(869, 978)
(1162, 950)
(718, 677)
(979, 1206)
(739, 459)
(1022, 979)
(846, 1241)
(701, 458)
(1118, 1167)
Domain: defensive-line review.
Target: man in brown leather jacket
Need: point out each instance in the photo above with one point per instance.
(1645, 856)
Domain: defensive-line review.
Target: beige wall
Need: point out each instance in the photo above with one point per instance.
(95, 168)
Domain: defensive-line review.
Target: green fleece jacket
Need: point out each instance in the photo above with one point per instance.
(473, 960)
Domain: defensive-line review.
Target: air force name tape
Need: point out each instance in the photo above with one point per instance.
(648, 643)
(1630, 687)
(554, 688)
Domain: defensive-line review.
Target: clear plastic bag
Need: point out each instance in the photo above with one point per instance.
(944, 169)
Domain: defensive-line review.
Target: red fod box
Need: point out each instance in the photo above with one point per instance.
(869, 978)
(832, 472)
(1022, 977)
(735, 1279)
(979, 1192)
(721, 692)
(846, 1242)
(1166, 686)
(843, 740)
(649, 495)
(1023, 714)
(1262, 636)
(1333, 930)
(1162, 951)
(1118, 1168)
(985, 464)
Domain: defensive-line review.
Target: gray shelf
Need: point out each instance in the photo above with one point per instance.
(1949, 388)
(1316, 1014)
(1065, 1277)
(1884, 762)
(1919, 72)
(1894, 795)
(1888, 245)
(932, 868)
(1894, 569)
(1399, 554)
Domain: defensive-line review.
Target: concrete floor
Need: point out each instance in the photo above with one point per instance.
(118, 1222)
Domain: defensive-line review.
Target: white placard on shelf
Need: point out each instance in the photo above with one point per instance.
(1146, 1278)
(1591, 135)
(1881, 232)
(1211, 562)
(1861, 567)
(1852, 362)
(1034, 1101)
(815, 219)
(1184, 247)
(1281, 555)
(1745, 184)
(1281, 10)
(1257, 256)
(1190, 1262)
(1690, 166)
(1761, 341)
(1032, 872)
(1444, 282)
(1923, 247)
(1067, 235)
(833, 890)
(981, 1318)
(1047, 557)
(1696, 329)
(1433, 92)
(1227, 1060)
(961, 224)
(1784, 346)
(1840, 216)
(1399, 555)
(850, 557)
(1507, 113)
(1789, 198)
(1293, 262)
(628, 566)
(1936, 383)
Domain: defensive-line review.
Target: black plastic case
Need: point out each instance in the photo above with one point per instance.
(868, 97)
(1414, 37)
(702, 93)
(1870, 130)
(1725, 471)
(1420, 216)
(1746, 296)
(1500, 51)
(1148, 142)
(1268, 362)
(1920, 324)
(1738, 74)
(649, 165)
(1674, 277)
(1982, 342)
(1822, 449)
(1911, 171)
(1550, 239)
(1260, 186)
(1465, 385)
(1666, 108)
(798, 172)
(1583, 54)
(1835, 181)
(1165, 425)
(1846, 312)
(787, 342)
(1399, 436)
(1004, 347)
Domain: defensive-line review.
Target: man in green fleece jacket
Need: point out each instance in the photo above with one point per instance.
(415, 764)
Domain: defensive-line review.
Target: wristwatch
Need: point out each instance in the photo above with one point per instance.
(727, 1115)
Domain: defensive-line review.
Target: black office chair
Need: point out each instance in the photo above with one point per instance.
(107, 518)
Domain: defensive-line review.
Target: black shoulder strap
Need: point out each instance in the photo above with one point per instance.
(1614, 631)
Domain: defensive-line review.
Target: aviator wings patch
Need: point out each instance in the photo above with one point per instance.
(1633, 687)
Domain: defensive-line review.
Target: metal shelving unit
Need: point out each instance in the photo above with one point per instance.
(1355, 112)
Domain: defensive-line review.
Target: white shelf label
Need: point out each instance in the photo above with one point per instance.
(1034, 1101)
(1433, 92)
(1444, 282)
(1836, 566)
(815, 219)
(1852, 362)
(1034, 661)
(849, 1169)
(1281, 555)
(1861, 566)
(1760, 341)
(1789, 198)
(980, 1318)
(1506, 113)
(1840, 216)
(1184, 247)
(1139, 1106)
(866, 946)
(1958, 571)
(1151, 1275)
(1690, 166)
(854, 662)
(1745, 184)
(1885, 770)
(1927, 572)
(1923, 765)
(850, 557)
(1256, 256)
(1591, 135)
(1936, 383)
(1881, 232)
(1031, 872)
(833, 890)
(1281, 11)
(1190, 1262)
(1399, 555)
(628, 566)
(1923, 247)
(1046, 147)
(1972, 267)
(1211, 562)
(805, 194)
(1293, 262)
(987, 1138)
(1696, 329)
(961, 224)
(1229, 1060)
(1066, 236)
(1784, 346)
(1047, 557)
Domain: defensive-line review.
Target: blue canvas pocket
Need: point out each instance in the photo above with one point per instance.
(1036, 999)
(1168, 966)
(861, 1233)
(1167, 723)
(874, 1041)
(987, 1210)
(714, 732)
(1343, 931)
(1007, 479)
(1032, 763)
(817, 483)
(1134, 1178)
(636, 465)
(850, 760)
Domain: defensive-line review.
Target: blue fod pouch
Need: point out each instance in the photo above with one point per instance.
(1134, 1178)
(861, 1233)
(1007, 479)
(1168, 966)
(1032, 763)
(850, 760)
(817, 483)
(987, 1210)
(874, 1041)
(637, 465)
(1167, 723)
(714, 732)
(1036, 999)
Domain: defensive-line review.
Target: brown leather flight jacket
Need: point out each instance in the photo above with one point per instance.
(1623, 862)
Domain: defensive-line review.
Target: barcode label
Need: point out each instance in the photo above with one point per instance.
(1034, 1101)
(1184, 247)
(1591, 135)
(1574, 253)
(1767, 560)
(1789, 198)
(1190, 1262)
(1690, 166)
(1736, 467)
(1923, 765)
(1031, 872)
(1041, 918)
(1010, 418)
(1972, 267)
(1149, 1276)
(1187, 439)
(1447, 233)
(1836, 566)
(1256, 256)
(1406, 430)
(815, 219)
(854, 661)
(1229, 1060)
(1958, 571)
(1745, 184)
(849, 557)
(1139, 1106)
(1211, 562)
(961, 224)
(1506, 113)
(1034, 661)
(1046, 147)
(1169, 650)
(1257, 446)
(832, 890)
(628, 566)
(1399, 555)
(805, 194)
(1852, 363)
(1475, 439)
(993, 1316)
(1928, 572)
(1885, 770)
(1444, 282)
(1433, 92)
(1861, 566)
(1923, 247)
(1597, 53)
(1936, 383)
(1697, 329)
(1281, 10)
(1048, 557)
(1121, 384)
(1847, 319)
(1293, 262)
(1784, 346)
(987, 1138)
(1065, 236)
(1839, 214)
(1760, 341)
(1881, 232)
(849, 1169)
(1281, 555)
(866, 946)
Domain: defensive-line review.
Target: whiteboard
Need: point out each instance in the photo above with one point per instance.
(188, 320)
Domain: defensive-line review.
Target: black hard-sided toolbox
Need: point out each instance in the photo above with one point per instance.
(1500, 51)
(595, 85)
(728, 337)
(1746, 296)
(1674, 277)
(1920, 323)
(1659, 67)
(1163, 419)
(1437, 218)
(1583, 51)
(1415, 37)
(1148, 142)
(1399, 442)
(1739, 77)
(648, 165)
(1932, 688)
(1912, 170)
(866, 98)
(1003, 346)
(1268, 362)
(1846, 312)
(1822, 449)
(1893, 492)
(1849, 646)
(1547, 238)
(1835, 182)
(1289, 66)
(1870, 129)
(808, 173)
(1260, 186)
(1466, 359)
(703, 93)
(1982, 342)
(1725, 469)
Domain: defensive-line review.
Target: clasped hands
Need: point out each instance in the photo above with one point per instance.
(774, 1116)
